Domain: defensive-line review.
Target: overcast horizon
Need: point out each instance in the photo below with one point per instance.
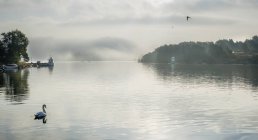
(123, 29)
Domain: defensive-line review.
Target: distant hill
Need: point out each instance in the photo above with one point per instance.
(220, 52)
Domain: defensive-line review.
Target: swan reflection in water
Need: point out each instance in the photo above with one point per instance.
(41, 115)
(44, 120)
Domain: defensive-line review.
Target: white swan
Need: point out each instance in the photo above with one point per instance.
(41, 115)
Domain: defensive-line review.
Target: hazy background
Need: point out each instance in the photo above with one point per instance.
(123, 29)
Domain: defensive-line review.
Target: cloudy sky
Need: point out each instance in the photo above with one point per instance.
(123, 29)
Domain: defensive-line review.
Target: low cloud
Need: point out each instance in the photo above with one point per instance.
(93, 50)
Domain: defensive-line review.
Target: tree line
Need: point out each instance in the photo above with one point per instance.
(13, 47)
(219, 52)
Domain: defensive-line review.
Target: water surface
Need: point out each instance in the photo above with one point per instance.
(128, 100)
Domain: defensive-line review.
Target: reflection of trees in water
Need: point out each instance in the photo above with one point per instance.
(15, 85)
(1, 83)
(223, 74)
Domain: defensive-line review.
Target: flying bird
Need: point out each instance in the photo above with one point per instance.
(187, 18)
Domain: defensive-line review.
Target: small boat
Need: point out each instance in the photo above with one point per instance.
(10, 67)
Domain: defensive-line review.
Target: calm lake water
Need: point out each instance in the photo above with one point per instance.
(130, 101)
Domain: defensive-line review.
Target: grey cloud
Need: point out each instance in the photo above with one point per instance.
(19, 9)
(205, 20)
(115, 12)
(186, 6)
(226, 5)
(148, 20)
(210, 5)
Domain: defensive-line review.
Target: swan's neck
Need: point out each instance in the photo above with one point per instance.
(43, 108)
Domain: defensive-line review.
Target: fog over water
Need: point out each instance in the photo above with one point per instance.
(83, 50)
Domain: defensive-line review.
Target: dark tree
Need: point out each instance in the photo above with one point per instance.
(2, 52)
(13, 46)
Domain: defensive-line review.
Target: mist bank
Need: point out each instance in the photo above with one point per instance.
(219, 52)
(103, 49)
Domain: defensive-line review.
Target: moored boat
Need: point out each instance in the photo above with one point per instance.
(10, 67)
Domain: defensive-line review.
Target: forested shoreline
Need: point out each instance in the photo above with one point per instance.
(219, 52)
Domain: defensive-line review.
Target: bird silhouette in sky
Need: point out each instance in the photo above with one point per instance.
(187, 18)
